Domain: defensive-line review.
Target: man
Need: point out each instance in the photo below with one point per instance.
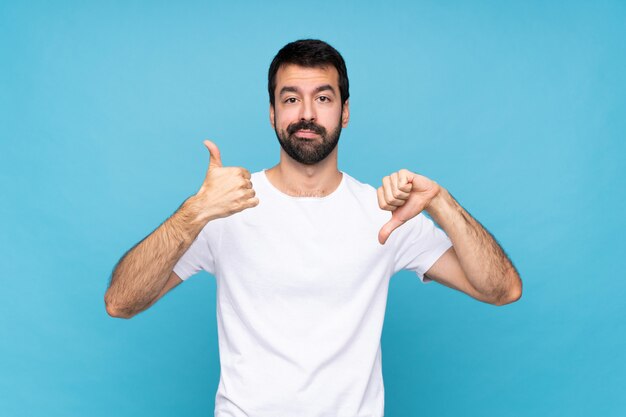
(303, 253)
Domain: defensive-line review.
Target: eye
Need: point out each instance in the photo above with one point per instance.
(324, 99)
(290, 100)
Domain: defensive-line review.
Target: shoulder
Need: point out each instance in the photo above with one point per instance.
(258, 173)
(358, 187)
(257, 176)
(364, 195)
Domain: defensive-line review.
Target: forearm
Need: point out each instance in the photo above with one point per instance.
(483, 261)
(142, 273)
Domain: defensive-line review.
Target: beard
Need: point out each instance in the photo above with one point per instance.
(308, 151)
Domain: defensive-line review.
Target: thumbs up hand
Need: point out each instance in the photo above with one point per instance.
(225, 190)
(406, 195)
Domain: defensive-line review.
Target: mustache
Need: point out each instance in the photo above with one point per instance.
(305, 125)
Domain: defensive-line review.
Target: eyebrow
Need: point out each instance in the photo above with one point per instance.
(290, 89)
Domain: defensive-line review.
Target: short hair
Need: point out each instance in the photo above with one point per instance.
(309, 53)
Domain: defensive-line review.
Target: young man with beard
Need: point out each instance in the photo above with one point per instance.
(303, 254)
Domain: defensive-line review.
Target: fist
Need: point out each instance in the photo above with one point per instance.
(405, 194)
(225, 190)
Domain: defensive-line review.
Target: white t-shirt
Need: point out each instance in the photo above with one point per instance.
(301, 294)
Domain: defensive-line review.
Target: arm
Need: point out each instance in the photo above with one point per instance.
(144, 273)
(476, 264)
(475, 259)
(171, 283)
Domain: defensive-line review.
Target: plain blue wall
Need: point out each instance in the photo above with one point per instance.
(518, 109)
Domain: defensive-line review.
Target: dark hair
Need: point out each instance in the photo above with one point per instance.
(309, 53)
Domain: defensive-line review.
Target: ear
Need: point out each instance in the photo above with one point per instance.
(345, 114)
(272, 116)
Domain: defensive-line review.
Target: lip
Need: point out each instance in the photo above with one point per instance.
(306, 134)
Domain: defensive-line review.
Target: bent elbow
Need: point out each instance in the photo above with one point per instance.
(508, 299)
(117, 311)
(513, 294)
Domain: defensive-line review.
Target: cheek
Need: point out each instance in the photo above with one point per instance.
(330, 117)
(284, 118)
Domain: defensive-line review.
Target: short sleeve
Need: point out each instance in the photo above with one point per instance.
(419, 244)
(200, 255)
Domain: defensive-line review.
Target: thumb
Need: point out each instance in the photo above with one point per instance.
(389, 227)
(215, 159)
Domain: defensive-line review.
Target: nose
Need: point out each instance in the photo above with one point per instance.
(307, 111)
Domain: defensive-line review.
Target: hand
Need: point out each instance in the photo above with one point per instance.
(405, 194)
(225, 190)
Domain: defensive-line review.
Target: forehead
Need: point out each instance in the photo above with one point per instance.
(295, 75)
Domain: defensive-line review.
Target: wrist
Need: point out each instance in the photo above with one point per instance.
(438, 203)
(196, 210)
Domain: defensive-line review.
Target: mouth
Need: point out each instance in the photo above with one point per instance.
(308, 134)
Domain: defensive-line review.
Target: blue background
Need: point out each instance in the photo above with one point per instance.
(519, 109)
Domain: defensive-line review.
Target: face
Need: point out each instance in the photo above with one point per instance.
(308, 116)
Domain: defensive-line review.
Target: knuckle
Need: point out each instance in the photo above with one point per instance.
(381, 200)
(237, 206)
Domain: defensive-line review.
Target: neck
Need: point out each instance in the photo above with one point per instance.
(300, 180)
